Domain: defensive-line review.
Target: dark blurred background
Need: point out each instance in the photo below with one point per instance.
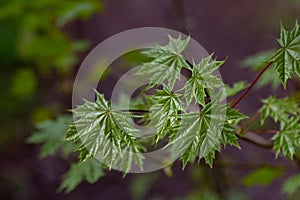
(42, 44)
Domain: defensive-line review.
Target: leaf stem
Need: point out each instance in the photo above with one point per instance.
(251, 85)
(256, 139)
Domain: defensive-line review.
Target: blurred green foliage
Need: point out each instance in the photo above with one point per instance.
(291, 185)
(256, 63)
(141, 184)
(90, 170)
(34, 45)
(34, 32)
(35, 48)
(264, 176)
(37, 58)
(236, 88)
(50, 134)
(24, 83)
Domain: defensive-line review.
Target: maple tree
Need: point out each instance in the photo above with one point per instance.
(101, 131)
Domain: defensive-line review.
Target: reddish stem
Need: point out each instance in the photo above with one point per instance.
(251, 86)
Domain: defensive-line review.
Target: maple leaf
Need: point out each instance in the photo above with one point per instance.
(164, 112)
(287, 58)
(202, 80)
(278, 109)
(201, 133)
(106, 134)
(166, 64)
(287, 140)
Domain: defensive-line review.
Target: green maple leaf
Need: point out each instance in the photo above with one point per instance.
(287, 58)
(194, 137)
(201, 133)
(164, 112)
(228, 136)
(91, 171)
(167, 62)
(202, 80)
(287, 140)
(106, 134)
(278, 109)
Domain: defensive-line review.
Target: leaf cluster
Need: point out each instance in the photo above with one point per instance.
(107, 134)
(286, 112)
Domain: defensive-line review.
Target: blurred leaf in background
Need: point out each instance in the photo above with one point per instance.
(90, 170)
(38, 35)
(256, 63)
(51, 134)
(37, 56)
(291, 185)
(264, 176)
(205, 185)
(36, 51)
(236, 88)
(141, 184)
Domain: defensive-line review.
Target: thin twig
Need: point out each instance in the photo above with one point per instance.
(251, 86)
(257, 140)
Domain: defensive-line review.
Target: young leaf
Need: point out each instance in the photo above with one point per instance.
(278, 109)
(164, 112)
(287, 58)
(90, 171)
(167, 62)
(287, 139)
(107, 134)
(200, 133)
(191, 135)
(202, 79)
